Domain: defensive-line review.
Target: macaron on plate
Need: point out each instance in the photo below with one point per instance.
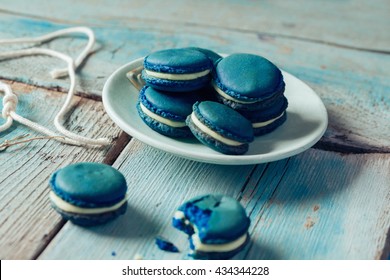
(306, 122)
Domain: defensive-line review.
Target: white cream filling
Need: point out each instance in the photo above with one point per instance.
(262, 124)
(228, 97)
(177, 77)
(226, 247)
(213, 134)
(198, 245)
(161, 119)
(67, 207)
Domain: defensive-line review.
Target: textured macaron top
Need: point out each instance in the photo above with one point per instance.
(248, 77)
(177, 61)
(89, 185)
(217, 218)
(224, 120)
(169, 105)
(213, 56)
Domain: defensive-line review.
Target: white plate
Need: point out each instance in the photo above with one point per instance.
(307, 120)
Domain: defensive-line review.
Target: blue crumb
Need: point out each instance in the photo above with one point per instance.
(113, 253)
(165, 245)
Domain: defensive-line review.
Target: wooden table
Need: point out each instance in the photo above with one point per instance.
(329, 202)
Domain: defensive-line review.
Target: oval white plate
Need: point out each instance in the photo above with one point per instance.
(307, 120)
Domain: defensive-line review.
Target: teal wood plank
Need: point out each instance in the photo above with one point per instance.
(353, 84)
(27, 222)
(356, 24)
(297, 210)
(158, 184)
(326, 206)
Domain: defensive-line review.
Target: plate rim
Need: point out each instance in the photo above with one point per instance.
(214, 158)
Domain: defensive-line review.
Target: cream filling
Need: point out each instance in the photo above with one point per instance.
(228, 97)
(226, 247)
(262, 124)
(177, 77)
(67, 207)
(161, 119)
(213, 134)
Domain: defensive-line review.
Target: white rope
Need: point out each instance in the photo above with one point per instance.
(58, 73)
(10, 100)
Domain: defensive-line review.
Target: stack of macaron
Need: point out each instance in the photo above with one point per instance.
(253, 86)
(223, 102)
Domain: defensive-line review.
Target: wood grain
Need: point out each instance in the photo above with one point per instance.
(317, 205)
(354, 24)
(326, 206)
(352, 84)
(27, 220)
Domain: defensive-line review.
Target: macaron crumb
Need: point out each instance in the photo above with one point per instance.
(165, 245)
(138, 256)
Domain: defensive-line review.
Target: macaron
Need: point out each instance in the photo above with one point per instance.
(217, 226)
(266, 120)
(88, 193)
(177, 70)
(166, 112)
(220, 127)
(247, 81)
(213, 56)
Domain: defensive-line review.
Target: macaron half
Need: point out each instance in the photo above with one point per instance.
(166, 112)
(88, 193)
(247, 81)
(216, 224)
(266, 120)
(177, 70)
(220, 127)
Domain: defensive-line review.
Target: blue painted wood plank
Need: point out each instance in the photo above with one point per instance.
(353, 84)
(27, 221)
(297, 210)
(158, 183)
(356, 24)
(327, 206)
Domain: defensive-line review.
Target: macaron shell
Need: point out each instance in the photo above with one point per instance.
(88, 220)
(199, 255)
(169, 105)
(175, 132)
(272, 126)
(213, 56)
(266, 114)
(224, 218)
(224, 120)
(179, 61)
(175, 85)
(264, 104)
(88, 184)
(248, 76)
(215, 144)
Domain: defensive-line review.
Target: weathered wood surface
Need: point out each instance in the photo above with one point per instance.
(331, 22)
(27, 221)
(317, 205)
(353, 84)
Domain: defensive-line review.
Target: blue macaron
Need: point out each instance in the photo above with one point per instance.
(88, 193)
(268, 119)
(166, 112)
(247, 81)
(177, 70)
(216, 224)
(220, 127)
(213, 56)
